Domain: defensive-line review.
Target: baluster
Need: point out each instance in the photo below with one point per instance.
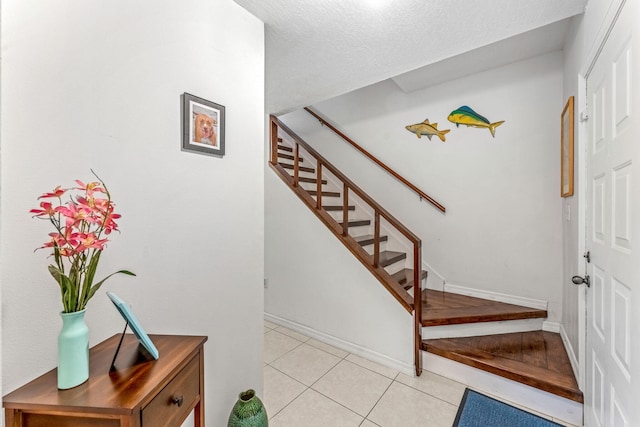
(376, 240)
(274, 142)
(345, 209)
(319, 185)
(296, 171)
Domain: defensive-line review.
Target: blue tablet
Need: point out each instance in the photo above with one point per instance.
(128, 315)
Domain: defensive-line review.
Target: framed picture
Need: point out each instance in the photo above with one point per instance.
(135, 326)
(566, 150)
(202, 126)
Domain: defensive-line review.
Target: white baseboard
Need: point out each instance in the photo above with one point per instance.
(366, 353)
(496, 296)
(435, 280)
(551, 326)
(531, 399)
(482, 328)
(575, 365)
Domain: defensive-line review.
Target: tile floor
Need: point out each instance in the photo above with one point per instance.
(309, 383)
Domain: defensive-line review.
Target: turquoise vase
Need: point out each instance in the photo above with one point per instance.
(248, 411)
(73, 350)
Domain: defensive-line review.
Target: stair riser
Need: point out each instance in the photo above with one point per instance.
(393, 261)
(479, 329)
(394, 268)
(515, 393)
(369, 248)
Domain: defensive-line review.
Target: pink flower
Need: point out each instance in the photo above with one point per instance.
(57, 192)
(78, 239)
(90, 241)
(47, 210)
(110, 223)
(75, 214)
(90, 188)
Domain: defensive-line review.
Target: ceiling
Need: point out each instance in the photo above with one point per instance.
(318, 49)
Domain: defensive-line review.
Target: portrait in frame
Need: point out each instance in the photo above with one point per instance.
(203, 126)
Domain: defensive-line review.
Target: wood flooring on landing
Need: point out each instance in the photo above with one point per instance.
(536, 358)
(445, 308)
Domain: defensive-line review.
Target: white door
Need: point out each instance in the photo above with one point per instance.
(612, 392)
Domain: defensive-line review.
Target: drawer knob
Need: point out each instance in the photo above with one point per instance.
(177, 400)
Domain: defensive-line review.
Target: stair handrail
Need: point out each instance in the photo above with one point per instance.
(415, 304)
(364, 196)
(377, 161)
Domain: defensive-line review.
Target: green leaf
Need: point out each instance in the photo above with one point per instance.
(66, 288)
(88, 278)
(56, 273)
(96, 286)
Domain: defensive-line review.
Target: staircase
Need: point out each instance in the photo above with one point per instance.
(393, 255)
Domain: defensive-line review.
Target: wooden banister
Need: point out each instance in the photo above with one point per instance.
(413, 304)
(374, 159)
(352, 186)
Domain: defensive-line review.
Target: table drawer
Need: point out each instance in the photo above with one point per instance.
(173, 403)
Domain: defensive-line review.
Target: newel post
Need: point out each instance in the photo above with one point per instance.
(274, 141)
(417, 306)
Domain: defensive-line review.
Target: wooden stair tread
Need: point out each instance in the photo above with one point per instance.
(311, 180)
(324, 193)
(536, 358)
(285, 148)
(332, 208)
(368, 239)
(300, 168)
(290, 157)
(389, 257)
(357, 223)
(405, 277)
(446, 308)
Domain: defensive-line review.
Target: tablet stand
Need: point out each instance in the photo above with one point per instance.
(113, 367)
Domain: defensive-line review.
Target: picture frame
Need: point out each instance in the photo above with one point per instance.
(203, 126)
(566, 150)
(135, 326)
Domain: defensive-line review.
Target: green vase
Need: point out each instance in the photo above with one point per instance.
(73, 350)
(248, 411)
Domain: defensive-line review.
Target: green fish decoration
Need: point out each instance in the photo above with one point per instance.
(466, 116)
(428, 129)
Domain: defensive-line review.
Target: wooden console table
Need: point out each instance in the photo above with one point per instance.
(138, 393)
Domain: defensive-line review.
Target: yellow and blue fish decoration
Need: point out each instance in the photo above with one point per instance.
(428, 129)
(466, 116)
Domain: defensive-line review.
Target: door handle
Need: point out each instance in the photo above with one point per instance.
(579, 280)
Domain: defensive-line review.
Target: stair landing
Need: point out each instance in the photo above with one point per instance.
(537, 359)
(445, 308)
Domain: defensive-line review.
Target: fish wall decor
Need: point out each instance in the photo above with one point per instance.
(428, 129)
(466, 116)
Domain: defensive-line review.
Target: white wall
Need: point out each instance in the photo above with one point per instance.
(316, 282)
(97, 85)
(573, 263)
(502, 229)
